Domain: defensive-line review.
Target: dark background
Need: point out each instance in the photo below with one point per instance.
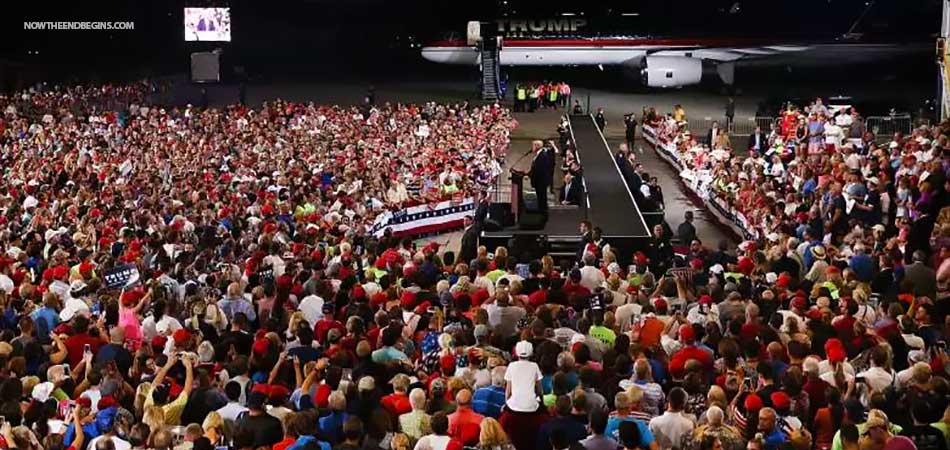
(379, 38)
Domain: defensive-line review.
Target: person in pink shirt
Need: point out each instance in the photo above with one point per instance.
(130, 303)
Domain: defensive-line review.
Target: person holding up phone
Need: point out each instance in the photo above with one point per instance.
(82, 341)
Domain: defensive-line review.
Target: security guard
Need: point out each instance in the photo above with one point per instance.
(522, 96)
(552, 96)
(533, 96)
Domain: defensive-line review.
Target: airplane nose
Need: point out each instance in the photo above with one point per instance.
(430, 54)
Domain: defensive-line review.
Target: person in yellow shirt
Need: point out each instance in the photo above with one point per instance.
(679, 113)
(158, 392)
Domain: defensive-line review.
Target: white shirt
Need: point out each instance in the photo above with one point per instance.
(312, 308)
(94, 396)
(591, 277)
(905, 377)
(626, 313)
(672, 430)
(913, 341)
(833, 134)
(231, 411)
(877, 378)
(166, 326)
(827, 373)
(432, 442)
(521, 377)
(119, 443)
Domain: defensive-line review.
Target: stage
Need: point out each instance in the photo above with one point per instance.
(607, 203)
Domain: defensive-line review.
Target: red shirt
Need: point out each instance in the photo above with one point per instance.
(397, 404)
(284, 444)
(538, 298)
(75, 345)
(464, 425)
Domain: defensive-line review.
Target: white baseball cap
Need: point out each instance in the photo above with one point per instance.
(524, 349)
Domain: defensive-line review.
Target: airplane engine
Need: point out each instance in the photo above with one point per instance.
(671, 71)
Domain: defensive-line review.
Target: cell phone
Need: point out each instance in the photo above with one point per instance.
(859, 379)
(748, 383)
(86, 348)
(3, 420)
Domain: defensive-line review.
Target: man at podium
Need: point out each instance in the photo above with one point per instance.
(541, 173)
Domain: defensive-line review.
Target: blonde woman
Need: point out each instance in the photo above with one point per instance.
(213, 427)
(492, 437)
(399, 442)
(154, 417)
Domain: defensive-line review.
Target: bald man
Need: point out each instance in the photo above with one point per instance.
(774, 436)
(464, 423)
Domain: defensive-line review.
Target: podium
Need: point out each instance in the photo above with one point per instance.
(526, 220)
(517, 194)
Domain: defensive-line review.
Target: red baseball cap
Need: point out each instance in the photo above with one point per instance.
(407, 300)
(159, 341)
(687, 333)
(752, 403)
(781, 400)
(181, 336)
(260, 346)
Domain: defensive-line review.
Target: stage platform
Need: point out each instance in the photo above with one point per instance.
(608, 203)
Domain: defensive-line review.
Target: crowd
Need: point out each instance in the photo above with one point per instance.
(262, 315)
(530, 97)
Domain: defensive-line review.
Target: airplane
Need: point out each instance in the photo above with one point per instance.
(660, 61)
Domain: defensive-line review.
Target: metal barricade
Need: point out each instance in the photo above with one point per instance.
(699, 126)
(884, 127)
(764, 122)
(740, 126)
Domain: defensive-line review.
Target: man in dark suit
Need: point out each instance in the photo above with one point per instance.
(540, 175)
(626, 170)
(630, 122)
(600, 119)
(551, 160)
(481, 207)
(469, 247)
(573, 190)
(586, 230)
(758, 141)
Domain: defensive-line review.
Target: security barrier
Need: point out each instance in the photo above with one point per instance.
(884, 127)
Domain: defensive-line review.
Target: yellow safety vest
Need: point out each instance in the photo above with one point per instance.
(522, 94)
(552, 96)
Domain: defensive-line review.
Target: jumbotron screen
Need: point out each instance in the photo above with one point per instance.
(208, 24)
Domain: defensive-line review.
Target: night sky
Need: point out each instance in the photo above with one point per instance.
(357, 33)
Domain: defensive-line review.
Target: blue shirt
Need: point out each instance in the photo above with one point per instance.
(46, 320)
(90, 432)
(230, 307)
(388, 354)
(775, 439)
(331, 426)
(613, 430)
(488, 401)
(304, 440)
(863, 267)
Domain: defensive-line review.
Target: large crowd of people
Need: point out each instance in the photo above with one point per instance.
(253, 310)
